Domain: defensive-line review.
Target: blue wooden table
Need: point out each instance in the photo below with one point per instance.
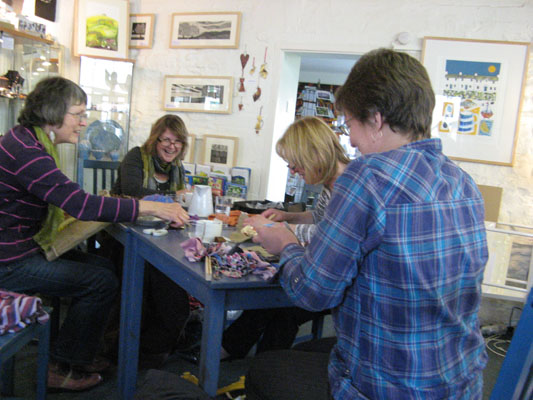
(166, 254)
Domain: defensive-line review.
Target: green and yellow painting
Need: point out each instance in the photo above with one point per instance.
(102, 33)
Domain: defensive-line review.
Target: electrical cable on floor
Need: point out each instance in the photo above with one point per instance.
(494, 345)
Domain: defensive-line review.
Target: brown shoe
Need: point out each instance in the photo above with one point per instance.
(70, 380)
(99, 364)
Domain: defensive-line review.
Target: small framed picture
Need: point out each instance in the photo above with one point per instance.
(209, 94)
(142, 31)
(219, 151)
(101, 28)
(205, 30)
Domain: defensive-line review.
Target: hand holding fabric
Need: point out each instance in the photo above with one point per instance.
(274, 238)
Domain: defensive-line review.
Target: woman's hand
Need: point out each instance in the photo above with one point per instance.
(273, 237)
(172, 212)
(257, 220)
(274, 214)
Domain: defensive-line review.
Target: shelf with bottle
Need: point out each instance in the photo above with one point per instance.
(24, 60)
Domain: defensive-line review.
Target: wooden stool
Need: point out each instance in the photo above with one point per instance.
(11, 343)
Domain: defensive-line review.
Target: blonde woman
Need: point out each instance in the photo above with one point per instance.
(312, 150)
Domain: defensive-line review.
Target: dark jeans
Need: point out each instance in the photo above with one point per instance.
(291, 374)
(88, 279)
(271, 329)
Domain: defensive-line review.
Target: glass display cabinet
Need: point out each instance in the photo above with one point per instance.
(24, 60)
(105, 140)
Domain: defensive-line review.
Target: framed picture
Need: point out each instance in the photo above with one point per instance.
(219, 151)
(479, 87)
(101, 28)
(210, 94)
(204, 30)
(189, 156)
(141, 31)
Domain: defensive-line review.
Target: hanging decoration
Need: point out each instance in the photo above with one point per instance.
(252, 70)
(257, 93)
(259, 123)
(244, 60)
(262, 70)
(241, 105)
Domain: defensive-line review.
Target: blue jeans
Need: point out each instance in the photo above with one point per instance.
(88, 279)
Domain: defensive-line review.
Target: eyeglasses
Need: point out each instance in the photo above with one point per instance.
(344, 128)
(292, 168)
(82, 115)
(169, 142)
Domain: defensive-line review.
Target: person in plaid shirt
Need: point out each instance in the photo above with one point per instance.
(399, 257)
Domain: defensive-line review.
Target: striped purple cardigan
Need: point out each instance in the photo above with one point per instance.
(29, 180)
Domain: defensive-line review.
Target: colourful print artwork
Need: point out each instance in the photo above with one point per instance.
(476, 84)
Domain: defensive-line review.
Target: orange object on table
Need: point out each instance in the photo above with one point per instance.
(231, 220)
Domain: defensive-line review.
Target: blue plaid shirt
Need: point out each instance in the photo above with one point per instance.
(399, 257)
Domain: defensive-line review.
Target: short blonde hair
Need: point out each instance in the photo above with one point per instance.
(309, 143)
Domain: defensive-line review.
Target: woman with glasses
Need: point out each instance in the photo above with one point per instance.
(155, 168)
(398, 257)
(35, 197)
(312, 150)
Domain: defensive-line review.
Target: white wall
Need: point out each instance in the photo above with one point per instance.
(337, 26)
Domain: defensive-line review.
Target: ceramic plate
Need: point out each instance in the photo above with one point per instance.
(105, 135)
(151, 222)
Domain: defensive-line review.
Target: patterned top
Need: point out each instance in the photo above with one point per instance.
(304, 232)
(399, 256)
(29, 181)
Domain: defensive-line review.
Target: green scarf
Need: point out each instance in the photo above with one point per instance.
(55, 216)
(173, 170)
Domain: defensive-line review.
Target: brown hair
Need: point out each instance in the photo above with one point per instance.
(50, 101)
(394, 84)
(174, 124)
(309, 143)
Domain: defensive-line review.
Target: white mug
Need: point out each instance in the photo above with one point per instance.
(207, 230)
(185, 199)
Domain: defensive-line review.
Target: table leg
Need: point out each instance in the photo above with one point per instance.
(130, 319)
(212, 329)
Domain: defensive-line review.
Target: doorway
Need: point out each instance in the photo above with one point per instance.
(299, 66)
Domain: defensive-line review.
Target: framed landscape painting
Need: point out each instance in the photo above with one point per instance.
(101, 28)
(479, 87)
(205, 30)
(209, 94)
(142, 31)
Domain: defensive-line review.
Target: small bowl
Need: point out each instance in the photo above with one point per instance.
(98, 154)
(114, 155)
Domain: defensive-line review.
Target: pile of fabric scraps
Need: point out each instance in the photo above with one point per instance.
(18, 310)
(234, 265)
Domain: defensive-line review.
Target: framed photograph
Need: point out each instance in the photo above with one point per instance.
(219, 151)
(141, 31)
(101, 28)
(210, 94)
(205, 30)
(479, 87)
(189, 156)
